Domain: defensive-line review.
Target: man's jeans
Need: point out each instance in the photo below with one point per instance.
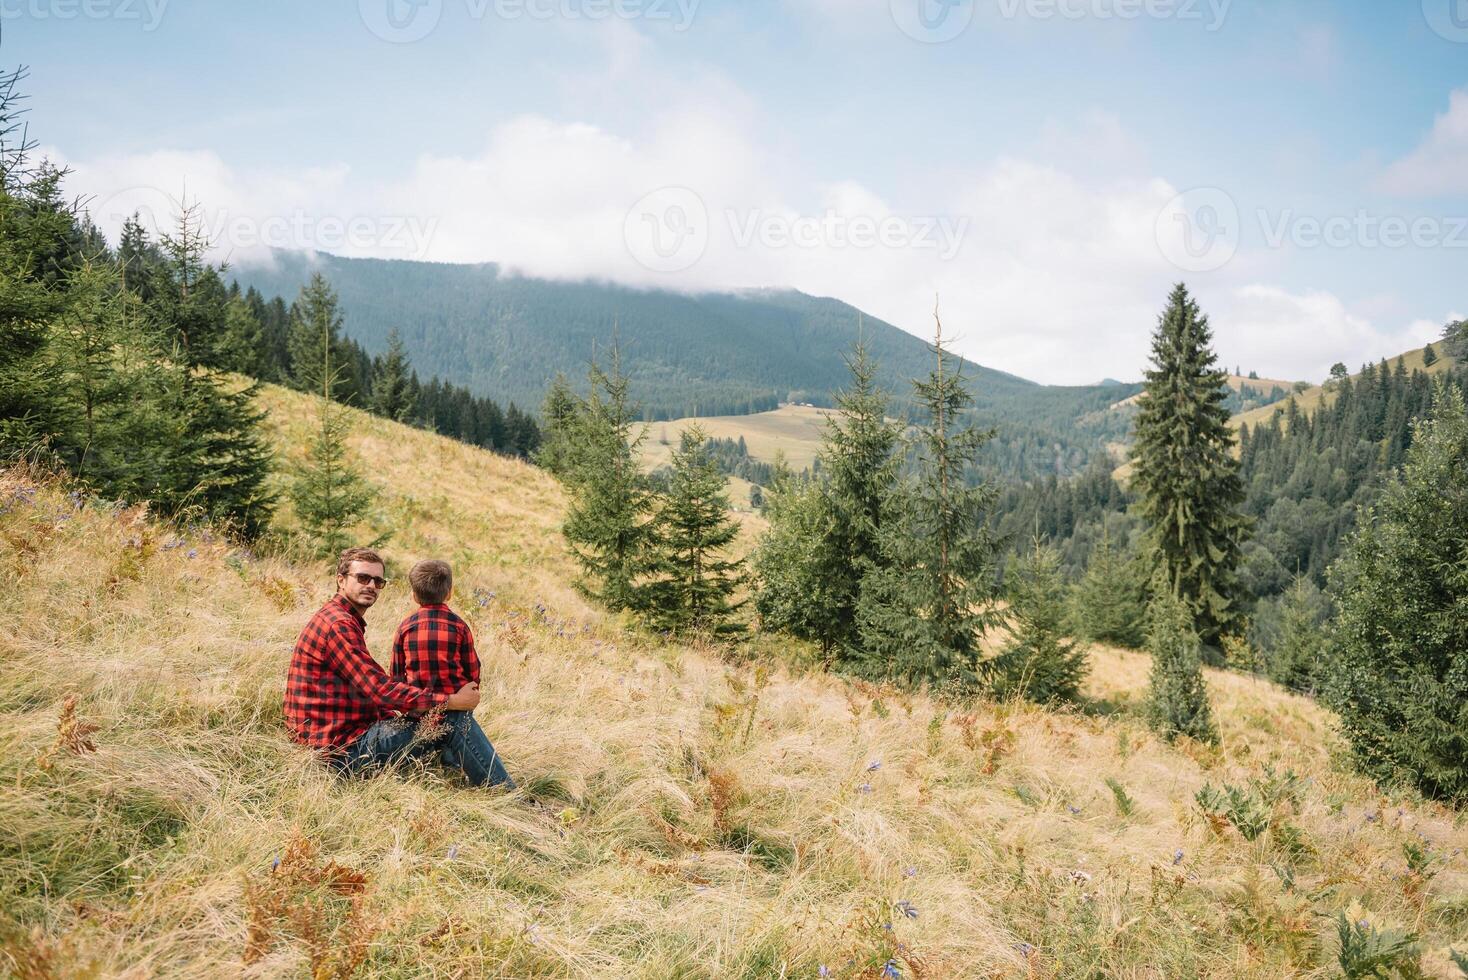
(462, 746)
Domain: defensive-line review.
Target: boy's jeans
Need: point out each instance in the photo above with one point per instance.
(463, 746)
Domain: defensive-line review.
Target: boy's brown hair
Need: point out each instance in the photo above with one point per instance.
(431, 580)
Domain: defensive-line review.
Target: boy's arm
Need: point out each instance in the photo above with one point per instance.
(468, 656)
(399, 668)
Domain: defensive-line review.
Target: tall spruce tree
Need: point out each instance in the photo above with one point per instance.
(1398, 647)
(1185, 471)
(393, 394)
(922, 611)
(330, 494)
(1177, 703)
(693, 581)
(859, 461)
(1039, 663)
(607, 523)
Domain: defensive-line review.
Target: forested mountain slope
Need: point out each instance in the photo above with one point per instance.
(711, 354)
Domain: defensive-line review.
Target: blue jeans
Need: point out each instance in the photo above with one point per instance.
(463, 746)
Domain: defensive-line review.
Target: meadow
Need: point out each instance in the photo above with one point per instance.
(684, 811)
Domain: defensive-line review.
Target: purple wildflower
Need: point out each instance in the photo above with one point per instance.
(453, 852)
(864, 788)
(276, 863)
(909, 871)
(1025, 949)
(890, 971)
(874, 765)
(907, 909)
(193, 552)
(1177, 856)
(1075, 810)
(824, 971)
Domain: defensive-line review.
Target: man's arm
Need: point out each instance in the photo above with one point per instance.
(355, 663)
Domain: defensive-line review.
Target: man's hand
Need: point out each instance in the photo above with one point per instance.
(465, 698)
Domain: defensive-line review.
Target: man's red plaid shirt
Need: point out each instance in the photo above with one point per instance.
(434, 650)
(334, 690)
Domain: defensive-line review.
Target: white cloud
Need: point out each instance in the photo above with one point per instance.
(1440, 164)
(1302, 334)
(1045, 269)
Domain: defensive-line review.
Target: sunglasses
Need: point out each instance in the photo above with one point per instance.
(364, 579)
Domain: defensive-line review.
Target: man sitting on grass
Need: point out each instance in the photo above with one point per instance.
(338, 700)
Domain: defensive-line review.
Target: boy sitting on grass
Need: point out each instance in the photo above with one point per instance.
(434, 650)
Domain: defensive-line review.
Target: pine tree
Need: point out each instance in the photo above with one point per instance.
(1398, 646)
(33, 218)
(244, 344)
(922, 611)
(559, 412)
(1186, 473)
(607, 521)
(793, 591)
(329, 492)
(693, 583)
(1108, 604)
(393, 395)
(1178, 701)
(315, 337)
(1039, 663)
(1295, 660)
(860, 465)
(189, 302)
(1455, 341)
(106, 374)
(1429, 356)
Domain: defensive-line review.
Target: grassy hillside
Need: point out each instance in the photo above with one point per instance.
(682, 815)
(795, 430)
(1316, 395)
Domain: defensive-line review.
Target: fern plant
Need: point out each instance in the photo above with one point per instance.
(1367, 953)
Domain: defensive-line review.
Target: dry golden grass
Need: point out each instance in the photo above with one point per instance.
(680, 815)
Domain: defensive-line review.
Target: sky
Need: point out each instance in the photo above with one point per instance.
(1040, 170)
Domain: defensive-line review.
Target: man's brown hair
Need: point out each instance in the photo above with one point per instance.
(431, 581)
(344, 563)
